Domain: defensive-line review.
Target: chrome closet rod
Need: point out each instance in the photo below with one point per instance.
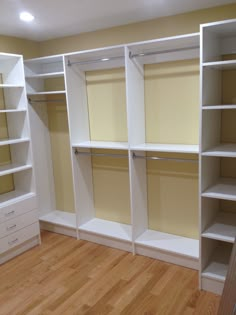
(135, 156)
(45, 101)
(158, 52)
(85, 62)
(102, 154)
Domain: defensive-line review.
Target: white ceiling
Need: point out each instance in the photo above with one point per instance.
(58, 18)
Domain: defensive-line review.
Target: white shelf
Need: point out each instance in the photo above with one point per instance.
(62, 218)
(218, 265)
(222, 150)
(213, 107)
(224, 189)
(46, 75)
(173, 148)
(101, 145)
(47, 93)
(108, 228)
(223, 228)
(13, 141)
(12, 110)
(3, 86)
(171, 243)
(14, 196)
(13, 168)
(221, 65)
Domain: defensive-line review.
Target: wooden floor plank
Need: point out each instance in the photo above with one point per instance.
(64, 276)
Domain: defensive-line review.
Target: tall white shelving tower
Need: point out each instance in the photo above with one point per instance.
(218, 151)
(19, 228)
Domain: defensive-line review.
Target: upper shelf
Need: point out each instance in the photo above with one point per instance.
(224, 189)
(172, 148)
(44, 67)
(222, 150)
(223, 228)
(7, 86)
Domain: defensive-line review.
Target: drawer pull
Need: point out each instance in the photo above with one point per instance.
(9, 213)
(13, 242)
(11, 227)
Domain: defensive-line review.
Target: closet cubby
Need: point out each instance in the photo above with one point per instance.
(158, 72)
(48, 113)
(215, 263)
(104, 214)
(218, 152)
(45, 76)
(219, 219)
(15, 157)
(96, 85)
(219, 130)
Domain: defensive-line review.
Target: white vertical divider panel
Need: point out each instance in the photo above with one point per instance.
(200, 200)
(77, 102)
(76, 94)
(211, 46)
(12, 74)
(211, 126)
(42, 158)
(211, 80)
(136, 135)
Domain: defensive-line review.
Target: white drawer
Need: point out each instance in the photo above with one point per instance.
(17, 223)
(18, 208)
(18, 237)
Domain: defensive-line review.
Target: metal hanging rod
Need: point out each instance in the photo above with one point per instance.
(45, 101)
(101, 154)
(135, 156)
(159, 52)
(69, 63)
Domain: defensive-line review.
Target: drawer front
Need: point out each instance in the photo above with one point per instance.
(17, 223)
(18, 208)
(18, 237)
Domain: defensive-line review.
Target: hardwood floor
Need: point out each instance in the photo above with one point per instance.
(70, 277)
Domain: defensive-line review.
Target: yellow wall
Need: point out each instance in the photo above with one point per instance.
(111, 187)
(157, 28)
(173, 196)
(107, 105)
(172, 102)
(14, 45)
(60, 149)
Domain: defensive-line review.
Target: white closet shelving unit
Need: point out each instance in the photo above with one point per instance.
(157, 244)
(218, 152)
(19, 228)
(135, 236)
(46, 87)
(91, 227)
